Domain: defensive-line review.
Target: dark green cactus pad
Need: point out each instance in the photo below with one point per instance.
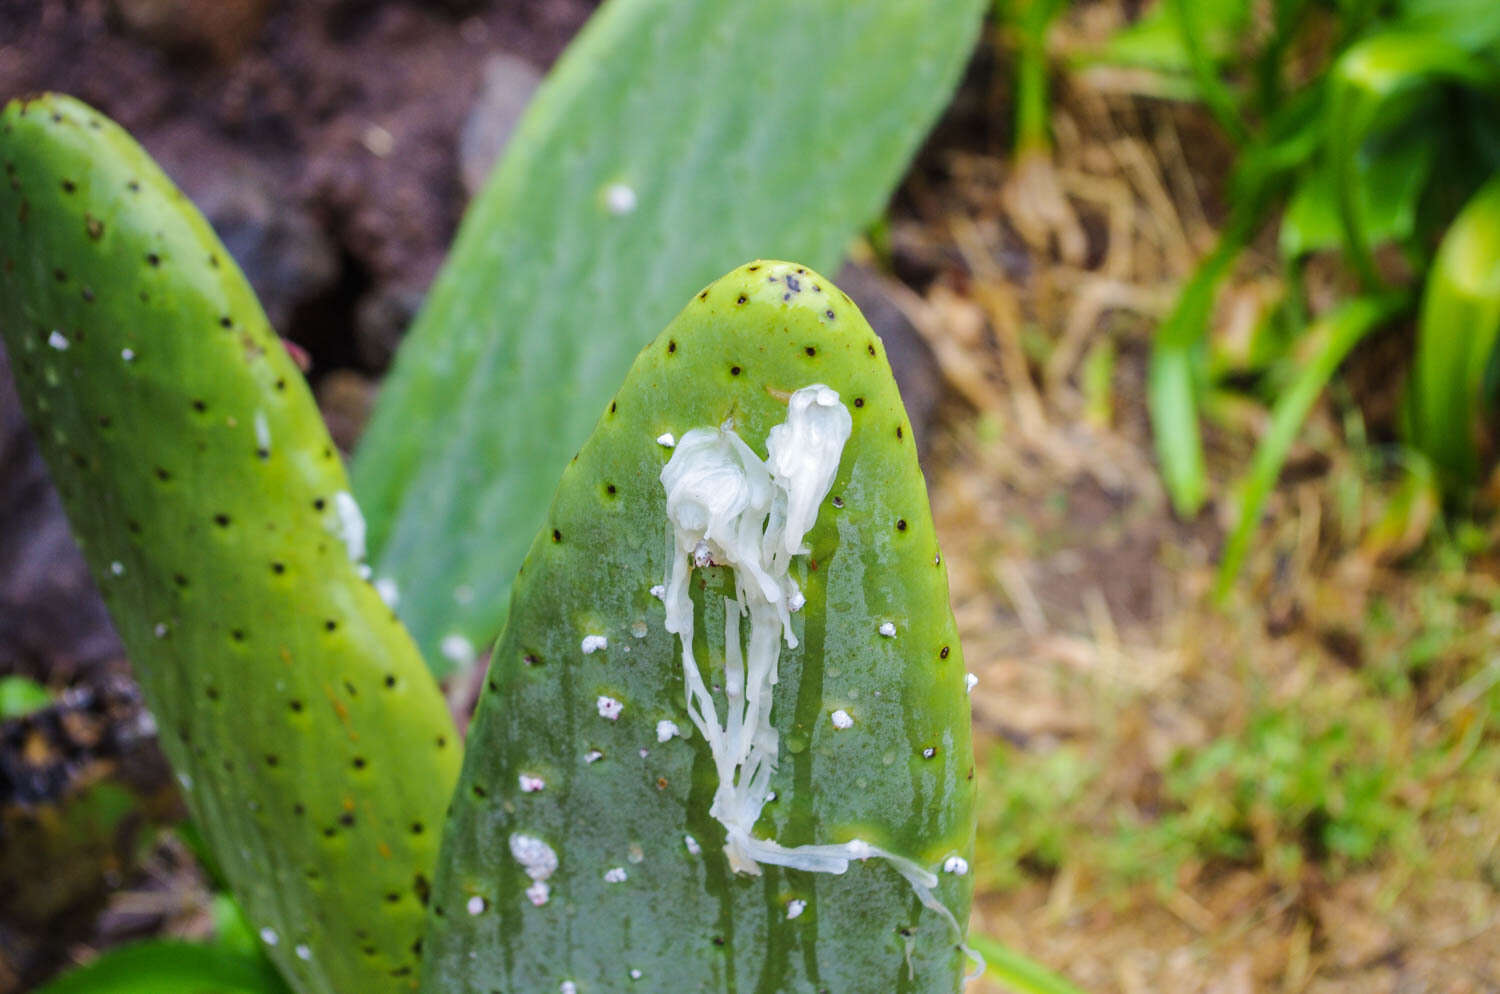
(616, 804)
(314, 749)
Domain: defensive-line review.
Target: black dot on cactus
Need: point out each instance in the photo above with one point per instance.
(390, 681)
(392, 897)
(829, 314)
(319, 504)
(212, 693)
(870, 348)
(347, 819)
(811, 351)
(278, 568)
(742, 299)
(133, 186)
(612, 406)
(838, 501)
(238, 635)
(87, 295)
(556, 535)
(330, 832)
(859, 402)
(899, 433)
(943, 652)
(417, 828)
(222, 520)
(442, 741)
(281, 384)
(272, 759)
(133, 526)
(295, 705)
(703, 295)
(359, 762)
(299, 809)
(734, 370)
(479, 792)
(671, 346)
(152, 259)
(609, 488)
(68, 186)
(60, 275)
(901, 524)
(179, 579)
(329, 625)
(161, 474)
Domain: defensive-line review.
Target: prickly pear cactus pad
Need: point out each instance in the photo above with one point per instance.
(312, 746)
(724, 741)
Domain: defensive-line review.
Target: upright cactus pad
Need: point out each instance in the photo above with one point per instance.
(609, 835)
(312, 745)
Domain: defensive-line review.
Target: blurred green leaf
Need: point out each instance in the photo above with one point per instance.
(1374, 86)
(1156, 40)
(1329, 340)
(1016, 972)
(20, 696)
(1391, 182)
(1456, 337)
(671, 143)
(171, 967)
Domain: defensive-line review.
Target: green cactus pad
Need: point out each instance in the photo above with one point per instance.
(314, 749)
(583, 749)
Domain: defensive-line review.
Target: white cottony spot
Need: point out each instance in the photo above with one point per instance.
(160, 630)
(263, 441)
(185, 780)
(269, 937)
(859, 849)
(795, 907)
(593, 756)
(58, 341)
(796, 602)
(638, 628)
(609, 707)
(117, 568)
(658, 591)
(665, 729)
(888, 629)
(665, 440)
(970, 682)
(619, 199)
(303, 951)
(956, 865)
(128, 355)
(644, 753)
(476, 905)
(568, 987)
(635, 975)
(530, 784)
(593, 643)
(691, 844)
(841, 719)
(349, 525)
(615, 875)
(457, 648)
(385, 586)
(536, 857)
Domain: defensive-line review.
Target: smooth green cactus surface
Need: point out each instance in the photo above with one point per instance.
(312, 746)
(581, 853)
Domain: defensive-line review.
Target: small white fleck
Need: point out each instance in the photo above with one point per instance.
(859, 849)
(538, 893)
(770, 795)
(117, 568)
(363, 569)
(645, 753)
(970, 682)
(659, 591)
(160, 629)
(593, 643)
(568, 987)
(463, 594)
(929, 752)
(666, 440)
(58, 341)
(615, 875)
(888, 629)
(536, 857)
(269, 937)
(385, 586)
(635, 975)
(609, 707)
(795, 907)
(619, 198)
(378, 141)
(185, 780)
(692, 845)
(956, 865)
(128, 355)
(349, 525)
(635, 853)
(476, 905)
(262, 431)
(530, 784)
(457, 648)
(303, 951)
(796, 602)
(841, 719)
(593, 756)
(638, 629)
(665, 729)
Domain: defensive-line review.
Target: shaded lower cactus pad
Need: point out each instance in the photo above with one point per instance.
(313, 748)
(598, 840)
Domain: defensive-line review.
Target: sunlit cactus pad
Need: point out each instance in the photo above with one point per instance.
(582, 853)
(312, 746)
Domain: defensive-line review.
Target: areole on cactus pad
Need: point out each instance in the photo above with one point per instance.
(724, 743)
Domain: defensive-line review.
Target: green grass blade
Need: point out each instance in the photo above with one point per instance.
(1016, 972)
(1329, 340)
(1216, 95)
(171, 967)
(1459, 325)
(671, 142)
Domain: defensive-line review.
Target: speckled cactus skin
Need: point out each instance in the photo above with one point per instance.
(900, 777)
(314, 749)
